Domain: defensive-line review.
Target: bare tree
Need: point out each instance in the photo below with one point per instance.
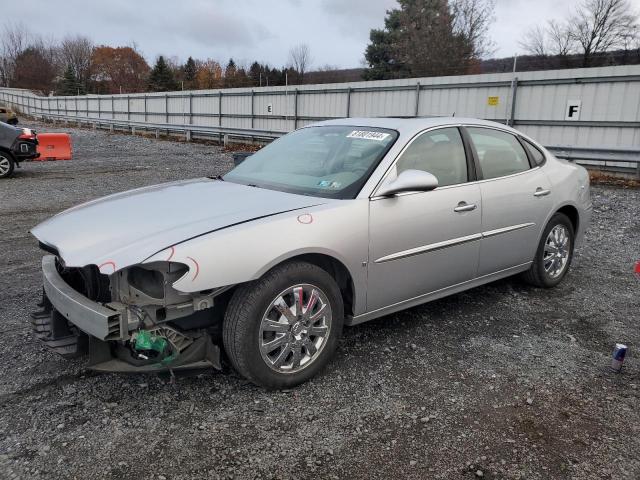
(561, 41)
(300, 59)
(15, 38)
(76, 52)
(472, 19)
(601, 25)
(534, 41)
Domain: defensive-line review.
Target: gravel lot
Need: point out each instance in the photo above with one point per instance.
(504, 381)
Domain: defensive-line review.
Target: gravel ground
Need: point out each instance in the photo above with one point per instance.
(504, 381)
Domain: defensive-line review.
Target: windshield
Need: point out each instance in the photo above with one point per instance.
(326, 161)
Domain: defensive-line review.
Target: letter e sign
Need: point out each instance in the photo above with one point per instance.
(573, 110)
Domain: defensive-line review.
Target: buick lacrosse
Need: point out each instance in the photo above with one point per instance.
(333, 224)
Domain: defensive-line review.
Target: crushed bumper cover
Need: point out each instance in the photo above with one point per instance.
(91, 317)
(98, 325)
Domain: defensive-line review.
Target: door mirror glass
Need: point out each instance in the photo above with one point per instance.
(409, 181)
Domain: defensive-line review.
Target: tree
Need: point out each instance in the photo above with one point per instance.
(34, 70)
(300, 59)
(189, 71)
(601, 25)
(77, 52)
(598, 26)
(380, 54)
(472, 19)
(118, 69)
(534, 41)
(430, 37)
(560, 39)
(230, 73)
(209, 75)
(15, 39)
(70, 84)
(428, 44)
(255, 74)
(161, 78)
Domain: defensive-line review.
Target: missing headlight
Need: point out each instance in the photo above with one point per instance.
(150, 282)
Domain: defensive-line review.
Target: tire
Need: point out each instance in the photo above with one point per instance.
(255, 317)
(546, 270)
(7, 164)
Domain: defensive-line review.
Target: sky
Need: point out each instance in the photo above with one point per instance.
(337, 31)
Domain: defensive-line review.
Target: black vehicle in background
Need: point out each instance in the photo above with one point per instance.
(16, 145)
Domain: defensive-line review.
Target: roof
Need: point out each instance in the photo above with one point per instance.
(410, 126)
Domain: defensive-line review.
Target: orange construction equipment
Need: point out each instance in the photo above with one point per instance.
(54, 146)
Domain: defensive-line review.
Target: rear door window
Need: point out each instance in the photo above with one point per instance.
(499, 153)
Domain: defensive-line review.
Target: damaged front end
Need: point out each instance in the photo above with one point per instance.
(130, 321)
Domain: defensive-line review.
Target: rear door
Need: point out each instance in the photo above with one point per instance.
(516, 198)
(421, 242)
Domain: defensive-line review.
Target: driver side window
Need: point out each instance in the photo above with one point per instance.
(439, 152)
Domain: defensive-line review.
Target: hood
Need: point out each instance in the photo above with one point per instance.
(126, 228)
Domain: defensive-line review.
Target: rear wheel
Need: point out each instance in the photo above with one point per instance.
(554, 253)
(7, 164)
(282, 329)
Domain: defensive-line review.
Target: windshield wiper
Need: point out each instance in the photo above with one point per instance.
(217, 177)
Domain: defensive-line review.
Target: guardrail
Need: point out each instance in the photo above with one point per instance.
(222, 134)
(617, 160)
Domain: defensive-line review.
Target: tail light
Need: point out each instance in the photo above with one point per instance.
(27, 134)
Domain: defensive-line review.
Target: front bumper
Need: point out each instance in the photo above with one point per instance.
(92, 318)
(106, 327)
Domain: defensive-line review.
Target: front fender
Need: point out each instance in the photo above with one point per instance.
(245, 252)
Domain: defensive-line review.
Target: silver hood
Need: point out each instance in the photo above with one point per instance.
(126, 228)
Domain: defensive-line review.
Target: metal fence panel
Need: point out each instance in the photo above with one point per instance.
(605, 100)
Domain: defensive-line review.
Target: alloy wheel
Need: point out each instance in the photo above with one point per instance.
(557, 248)
(5, 165)
(295, 328)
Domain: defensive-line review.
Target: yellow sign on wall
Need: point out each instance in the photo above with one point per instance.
(493, 101)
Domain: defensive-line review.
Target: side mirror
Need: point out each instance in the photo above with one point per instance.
(409, 181)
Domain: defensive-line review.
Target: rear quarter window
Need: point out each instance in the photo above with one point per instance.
(536, 154)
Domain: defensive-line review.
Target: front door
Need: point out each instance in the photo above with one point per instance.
(421, 242)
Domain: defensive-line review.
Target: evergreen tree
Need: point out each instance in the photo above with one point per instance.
(254, 73)
(70, 84)
(419, 39)
(380, 53)
(161, 78)
(189, 71)
(230, 74)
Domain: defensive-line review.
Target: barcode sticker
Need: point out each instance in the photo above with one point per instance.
(366, 135)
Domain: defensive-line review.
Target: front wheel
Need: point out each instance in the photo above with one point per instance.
(282, 329)
(7, 164)
(554, 254)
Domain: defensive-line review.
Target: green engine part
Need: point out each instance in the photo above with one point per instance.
(144, 340)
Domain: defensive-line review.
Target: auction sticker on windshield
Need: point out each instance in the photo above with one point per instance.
(366, 135)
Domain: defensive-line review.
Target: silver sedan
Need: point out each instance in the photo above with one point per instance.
(334, 224)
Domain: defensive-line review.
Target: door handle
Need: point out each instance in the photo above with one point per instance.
(541, 192)
(465, 207)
